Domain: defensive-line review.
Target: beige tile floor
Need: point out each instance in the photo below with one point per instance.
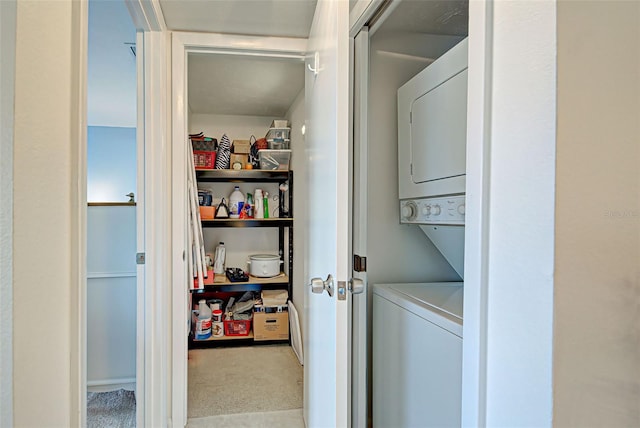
(244, 380)
(282, 418)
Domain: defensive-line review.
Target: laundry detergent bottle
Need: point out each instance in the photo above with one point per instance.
(236, 201)
(203, 325)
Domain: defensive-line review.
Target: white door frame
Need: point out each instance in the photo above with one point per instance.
(474, 358)
(360, 383)
(7, 89)
(474, 349)
(509, 258)
(478, 137)
(152, 214)
(154, 205)
(182, 45)
(78, 217)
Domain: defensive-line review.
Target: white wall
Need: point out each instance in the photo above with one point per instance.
(239, 242)
(111, 297)
(111, 81)
(520, 225)
(236, 127)
(111, 149)
(395, 252)
(47, 204)
(7, 75)
(597, 277)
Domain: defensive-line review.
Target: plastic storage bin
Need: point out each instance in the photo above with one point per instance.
(274, 159)
(237, 327)
(277, 144)
(280, 123)
(278, 133)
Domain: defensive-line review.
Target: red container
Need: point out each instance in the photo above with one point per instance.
(237, 327)
(204, 160)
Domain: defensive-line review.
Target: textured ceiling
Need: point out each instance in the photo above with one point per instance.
(238, 85)
(286, 18)
(438, 17)
(224, 84)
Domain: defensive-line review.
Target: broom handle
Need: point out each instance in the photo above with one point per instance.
(199, 224)
(190, 261)
(194, 223)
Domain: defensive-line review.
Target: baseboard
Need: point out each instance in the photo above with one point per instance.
(105, 385)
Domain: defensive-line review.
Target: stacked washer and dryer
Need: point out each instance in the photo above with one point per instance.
(417, 327)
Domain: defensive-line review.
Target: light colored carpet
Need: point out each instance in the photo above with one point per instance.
(282, 418)
(251, 379)
(111, 409)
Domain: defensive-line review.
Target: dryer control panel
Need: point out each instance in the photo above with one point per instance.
(443, 210)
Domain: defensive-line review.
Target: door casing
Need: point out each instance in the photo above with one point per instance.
(182, 45)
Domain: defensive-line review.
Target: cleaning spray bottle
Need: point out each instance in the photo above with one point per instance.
(265, 205)
(218, 263)
(258, 206)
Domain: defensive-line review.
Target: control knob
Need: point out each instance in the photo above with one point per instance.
(409, 210)
(461, 209)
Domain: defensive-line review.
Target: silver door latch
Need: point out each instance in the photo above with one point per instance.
(318, 285)
(356, 285)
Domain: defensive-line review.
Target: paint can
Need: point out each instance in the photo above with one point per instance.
(218, 329)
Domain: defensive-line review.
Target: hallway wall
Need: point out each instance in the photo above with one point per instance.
(47, 213)
(597, 276)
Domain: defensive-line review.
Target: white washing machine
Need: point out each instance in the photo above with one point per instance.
(417, 354)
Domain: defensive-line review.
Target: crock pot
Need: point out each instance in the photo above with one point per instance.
(264, 265)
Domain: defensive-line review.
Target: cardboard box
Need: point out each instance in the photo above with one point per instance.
(241, 159)
(242, 146)
(207, 213)
(271, 326)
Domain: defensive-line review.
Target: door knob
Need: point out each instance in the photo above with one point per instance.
(318, 285)
(356, 285)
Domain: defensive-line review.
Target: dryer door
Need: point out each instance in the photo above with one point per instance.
(438, 131)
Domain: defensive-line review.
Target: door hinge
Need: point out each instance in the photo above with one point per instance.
(359, 263)
(410, 117)
(140, 257)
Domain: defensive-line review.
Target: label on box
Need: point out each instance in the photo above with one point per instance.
(271, 326)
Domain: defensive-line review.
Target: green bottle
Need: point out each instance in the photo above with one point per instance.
(265, 204)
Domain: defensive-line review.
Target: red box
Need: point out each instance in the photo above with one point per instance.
(208, 280)
(237, 327)
(204, 160)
